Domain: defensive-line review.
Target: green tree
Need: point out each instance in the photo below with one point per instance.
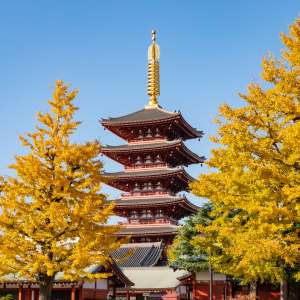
(183, 253)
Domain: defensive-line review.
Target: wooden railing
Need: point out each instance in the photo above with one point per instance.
(147, 140)
(145, 194)
(149, 223)
(146, 166)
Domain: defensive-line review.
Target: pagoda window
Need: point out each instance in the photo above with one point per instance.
(146, 213)
(158, 186)
(147, 186)
(148, 133)
(148, 159)
(159, 213)
(143, 240)
(157, 159)
(136, 187)
(157, 133)
(140, 134)
(137, 160)
(134, 214)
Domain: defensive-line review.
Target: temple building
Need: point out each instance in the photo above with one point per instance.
(153, 160)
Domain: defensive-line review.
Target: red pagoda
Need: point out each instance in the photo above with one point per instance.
(153, 159)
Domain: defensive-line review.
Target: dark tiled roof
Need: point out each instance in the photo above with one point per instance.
(147, 173)
(116, 268)
(142, 145)
(149, 114)
(149, 230)
(151, 146)
(185, 276)
(144, 255)
(154, 200)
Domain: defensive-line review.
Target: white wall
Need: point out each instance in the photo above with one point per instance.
(102, 285)
(204, 276)
(88, 285)
(181, 289)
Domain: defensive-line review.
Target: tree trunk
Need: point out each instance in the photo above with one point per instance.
(294, 290)
(46, 283)
(253, 289)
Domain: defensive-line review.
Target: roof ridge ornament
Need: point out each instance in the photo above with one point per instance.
(153, 73)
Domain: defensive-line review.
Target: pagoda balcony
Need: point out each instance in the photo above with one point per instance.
(158, 223)
(150, 139)
(146, 194)
(156, 166)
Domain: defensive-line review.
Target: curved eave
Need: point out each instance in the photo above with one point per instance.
(120, 274)
(193, 157)
(141, 116)
(150, 173)
(189, 129)
(143, 202)
(149, 231)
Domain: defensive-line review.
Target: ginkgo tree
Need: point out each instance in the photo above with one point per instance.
(256, 174)
(53, 215)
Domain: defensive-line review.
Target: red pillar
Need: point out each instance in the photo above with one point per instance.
(194, 287)
(80, 293)
(73, 292)
(127, 295)
(37, 294)
(20, 291)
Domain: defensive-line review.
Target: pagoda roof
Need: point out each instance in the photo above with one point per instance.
(144, 255)
(146, 114)
(150, 116)
(121, 203)
(128, 148)
(149, 173)
(149, 230)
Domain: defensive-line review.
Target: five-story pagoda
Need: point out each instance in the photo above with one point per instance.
(153, 159)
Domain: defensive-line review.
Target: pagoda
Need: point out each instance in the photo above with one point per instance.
(153, 159)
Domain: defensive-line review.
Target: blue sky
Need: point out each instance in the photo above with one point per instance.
(210, 51)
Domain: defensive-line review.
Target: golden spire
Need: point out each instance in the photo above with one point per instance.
(153, 73)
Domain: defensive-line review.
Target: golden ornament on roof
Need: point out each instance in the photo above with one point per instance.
(153, 73)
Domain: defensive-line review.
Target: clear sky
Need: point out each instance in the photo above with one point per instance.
(210, 51)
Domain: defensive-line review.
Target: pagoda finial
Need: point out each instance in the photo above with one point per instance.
(153, 73)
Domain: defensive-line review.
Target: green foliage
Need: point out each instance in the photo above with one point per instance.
(9, 297)
(182, 253)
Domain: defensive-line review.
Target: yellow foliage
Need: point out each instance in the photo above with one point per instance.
(257, 178)
(53, 216)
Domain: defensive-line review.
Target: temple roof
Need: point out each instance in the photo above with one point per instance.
(154, 278)
(128, 147)
(112, 264)
(148, 173)
(145, 230)
(177, 144)
(146, 114)
(144, 255)
(153, 201)
(122, 126)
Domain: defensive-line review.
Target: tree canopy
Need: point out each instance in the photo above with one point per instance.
(255, 174)
(182, 253)
(53, 215)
